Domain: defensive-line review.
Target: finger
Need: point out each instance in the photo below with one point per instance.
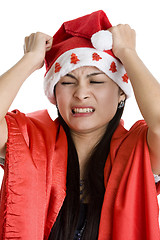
(49, 44)
(48, 37)
(110, 29)
(31, 39)
(49, 41)
(25, 44)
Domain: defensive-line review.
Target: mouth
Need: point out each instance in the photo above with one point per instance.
(80, 110)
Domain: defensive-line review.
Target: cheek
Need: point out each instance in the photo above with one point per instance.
(109, 96)
(58, 94)
(109, 104)
(62, 100)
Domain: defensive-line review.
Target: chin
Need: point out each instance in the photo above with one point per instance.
(80, 127)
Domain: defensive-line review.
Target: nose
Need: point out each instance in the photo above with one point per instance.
(82, 92)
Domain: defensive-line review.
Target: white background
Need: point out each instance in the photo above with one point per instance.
(19, 18)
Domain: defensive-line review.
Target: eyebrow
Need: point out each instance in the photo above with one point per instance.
(94, 74)
(70, 75)
(88, 75)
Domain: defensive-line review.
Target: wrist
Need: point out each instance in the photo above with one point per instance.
(33, 61)
(125, 54)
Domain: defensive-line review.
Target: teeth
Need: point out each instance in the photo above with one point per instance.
(83, 110)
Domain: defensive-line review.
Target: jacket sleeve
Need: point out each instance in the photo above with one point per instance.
(26, 185)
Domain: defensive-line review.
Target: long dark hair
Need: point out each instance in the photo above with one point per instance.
(66, 223)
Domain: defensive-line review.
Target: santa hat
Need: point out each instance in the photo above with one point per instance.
(84, 41)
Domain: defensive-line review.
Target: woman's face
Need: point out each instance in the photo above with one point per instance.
(87, 99)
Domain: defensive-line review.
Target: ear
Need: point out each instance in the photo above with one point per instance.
(122, 95)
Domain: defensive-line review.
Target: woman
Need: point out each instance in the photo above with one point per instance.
(82, 176)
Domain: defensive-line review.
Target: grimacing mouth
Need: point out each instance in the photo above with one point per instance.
(82, 110)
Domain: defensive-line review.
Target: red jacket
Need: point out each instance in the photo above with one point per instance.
(34, 183)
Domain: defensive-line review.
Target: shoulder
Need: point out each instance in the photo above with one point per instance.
(128, 145)
(36, 123)
(126, 140)
(38, 118)
(121, 132)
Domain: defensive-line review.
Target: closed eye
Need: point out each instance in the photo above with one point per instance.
(67, 83)
(70, 81)
(96, 82)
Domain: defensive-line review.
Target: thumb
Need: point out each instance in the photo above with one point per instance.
(49, 43)
(110, 29)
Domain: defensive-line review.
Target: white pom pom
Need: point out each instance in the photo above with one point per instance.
(102, 40)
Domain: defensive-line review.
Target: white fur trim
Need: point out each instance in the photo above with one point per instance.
(102, 40)
(85, 56)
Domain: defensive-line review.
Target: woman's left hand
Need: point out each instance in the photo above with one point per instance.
(124, 37)
(146, 88)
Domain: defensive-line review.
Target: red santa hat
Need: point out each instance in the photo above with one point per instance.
(84, 41)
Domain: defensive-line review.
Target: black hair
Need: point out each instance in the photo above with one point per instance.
(66, 223)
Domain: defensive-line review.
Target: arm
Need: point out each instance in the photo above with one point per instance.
(12, 80)
(146, 88)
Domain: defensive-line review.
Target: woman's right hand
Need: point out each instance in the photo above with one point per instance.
(35, 48)
(37, 44)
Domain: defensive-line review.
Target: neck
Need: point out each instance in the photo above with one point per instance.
(85, 143)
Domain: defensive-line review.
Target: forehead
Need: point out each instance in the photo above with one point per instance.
(85, 70)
